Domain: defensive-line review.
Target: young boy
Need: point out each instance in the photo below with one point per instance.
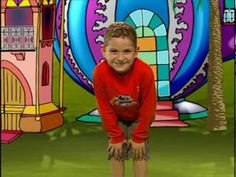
(126, 99)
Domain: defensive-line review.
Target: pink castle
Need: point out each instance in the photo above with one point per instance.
(27, 29)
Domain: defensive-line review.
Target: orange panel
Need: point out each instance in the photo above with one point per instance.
(146, 44)
(154, 69)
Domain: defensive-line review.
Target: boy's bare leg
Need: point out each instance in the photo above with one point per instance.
(117, 167)
(140, 168)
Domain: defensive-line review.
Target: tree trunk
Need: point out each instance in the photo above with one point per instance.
(216, 105)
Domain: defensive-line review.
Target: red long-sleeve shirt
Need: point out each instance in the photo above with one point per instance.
(125, 97)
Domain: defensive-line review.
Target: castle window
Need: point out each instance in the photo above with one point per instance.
(229, 16)
(19, 17)
(47, 20)
(45, 74)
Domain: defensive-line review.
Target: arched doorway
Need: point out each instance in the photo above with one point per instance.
(12, 100)
(153, 43)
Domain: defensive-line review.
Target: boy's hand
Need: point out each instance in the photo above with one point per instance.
(138, 149)
(116, 149)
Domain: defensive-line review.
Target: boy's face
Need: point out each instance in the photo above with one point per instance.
(120, 54)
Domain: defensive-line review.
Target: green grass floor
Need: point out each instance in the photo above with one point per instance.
(78, 149)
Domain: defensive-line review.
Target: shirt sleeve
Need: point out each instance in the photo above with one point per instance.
(147, 109)
(108, 117)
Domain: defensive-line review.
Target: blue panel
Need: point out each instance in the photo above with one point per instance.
(137, 18)
(163, 88)
(161, 42)
(163, 57)
(147, 16)
(155, 22)
(163, 72)
(160, 30)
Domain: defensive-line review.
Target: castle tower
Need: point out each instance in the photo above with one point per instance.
(27, 29)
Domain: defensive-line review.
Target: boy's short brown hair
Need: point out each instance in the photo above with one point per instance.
(120, 29)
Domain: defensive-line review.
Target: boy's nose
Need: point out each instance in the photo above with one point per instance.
(119, 59)
(120, 55)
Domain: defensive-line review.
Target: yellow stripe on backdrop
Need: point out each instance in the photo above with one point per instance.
(11, 3)
(25, 3)
(45, 2)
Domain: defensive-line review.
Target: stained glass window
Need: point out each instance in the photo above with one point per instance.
(153, 47)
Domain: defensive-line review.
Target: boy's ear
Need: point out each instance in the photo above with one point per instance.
(137, 50)
(103, 49)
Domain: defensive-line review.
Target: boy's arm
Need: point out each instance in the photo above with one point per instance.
(109, 118)
(147, 109)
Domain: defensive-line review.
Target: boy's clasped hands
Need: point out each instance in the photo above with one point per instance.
(137, 149)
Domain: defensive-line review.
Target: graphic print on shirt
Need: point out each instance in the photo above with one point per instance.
(123, 100)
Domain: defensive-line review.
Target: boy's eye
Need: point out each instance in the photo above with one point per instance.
(127, 51)
(113, 51)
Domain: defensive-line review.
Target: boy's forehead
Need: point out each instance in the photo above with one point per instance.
(114, 40)
(110, 46)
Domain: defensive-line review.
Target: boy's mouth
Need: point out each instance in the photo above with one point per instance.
(120, 63)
